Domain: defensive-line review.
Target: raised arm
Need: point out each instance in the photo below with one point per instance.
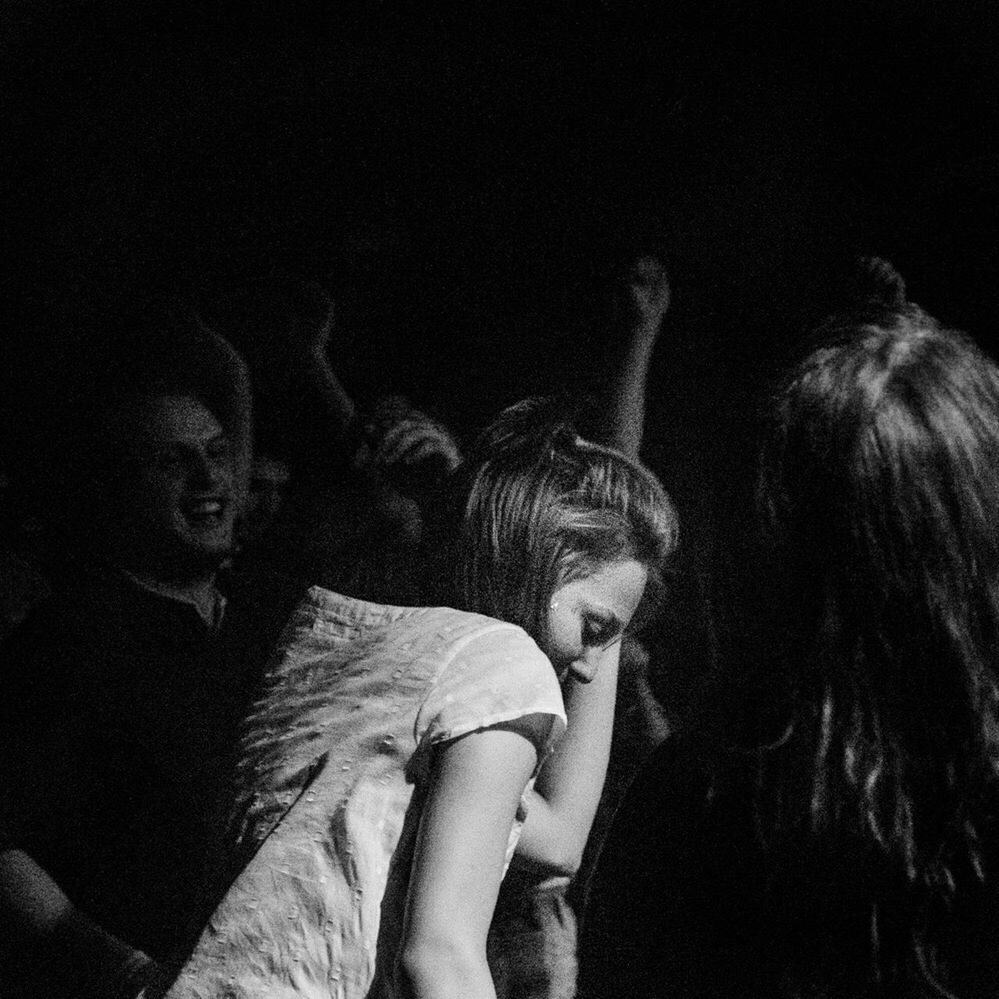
(332, 405)
(396, 450)
(476, 785)
(640, 306)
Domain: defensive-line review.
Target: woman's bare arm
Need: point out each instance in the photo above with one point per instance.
(477, 783)
(565, 797)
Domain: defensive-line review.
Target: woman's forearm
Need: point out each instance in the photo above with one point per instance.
(564, 801)
(624, 406)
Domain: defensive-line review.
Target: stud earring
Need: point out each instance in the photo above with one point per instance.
(554, 605)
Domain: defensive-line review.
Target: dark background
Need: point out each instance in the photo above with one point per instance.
(464, 182)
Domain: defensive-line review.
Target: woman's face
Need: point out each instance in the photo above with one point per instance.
(587, 618)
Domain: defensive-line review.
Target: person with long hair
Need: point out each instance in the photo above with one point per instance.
(847, 846)
(391, 761)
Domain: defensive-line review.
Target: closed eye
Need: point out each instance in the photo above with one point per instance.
(599, 632)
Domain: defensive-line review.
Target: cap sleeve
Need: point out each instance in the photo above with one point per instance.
(495, 676)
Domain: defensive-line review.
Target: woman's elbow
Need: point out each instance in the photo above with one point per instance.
(564, 863)
(444, 965)
(557, 856)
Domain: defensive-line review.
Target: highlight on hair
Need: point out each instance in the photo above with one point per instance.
(879, 490)
(535, 506)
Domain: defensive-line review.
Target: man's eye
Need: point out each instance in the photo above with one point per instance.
(219, 450)
(168, 461)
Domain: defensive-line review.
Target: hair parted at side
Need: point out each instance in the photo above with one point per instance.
(879, 492)
(535, 506)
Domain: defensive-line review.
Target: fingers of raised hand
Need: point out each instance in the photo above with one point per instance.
(415, 439)
(648, 287)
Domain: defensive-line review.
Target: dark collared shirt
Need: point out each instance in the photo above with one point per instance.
(118, 708)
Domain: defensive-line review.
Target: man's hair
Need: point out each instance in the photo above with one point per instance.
(83, 415)
(534, 506)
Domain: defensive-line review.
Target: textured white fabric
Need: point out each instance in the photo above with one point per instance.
(326, 813)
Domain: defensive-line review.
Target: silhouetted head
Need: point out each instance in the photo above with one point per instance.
(879, 491)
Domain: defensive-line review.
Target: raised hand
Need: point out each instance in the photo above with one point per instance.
(639, 303)
(643, 295)
(408, 448)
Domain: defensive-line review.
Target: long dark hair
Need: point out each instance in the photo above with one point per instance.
(879, 493)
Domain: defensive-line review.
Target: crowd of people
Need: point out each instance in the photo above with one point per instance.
(307, 697)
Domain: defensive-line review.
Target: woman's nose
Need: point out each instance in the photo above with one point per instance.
(584, 669)
(586, 666)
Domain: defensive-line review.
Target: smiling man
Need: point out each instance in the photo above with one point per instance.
(121, 690)
(167, 502)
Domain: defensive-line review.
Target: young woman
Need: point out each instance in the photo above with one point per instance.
(851, 848)
(388, 765)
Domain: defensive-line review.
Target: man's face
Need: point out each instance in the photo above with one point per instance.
(177, 492)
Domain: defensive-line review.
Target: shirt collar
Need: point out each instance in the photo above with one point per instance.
(209, 603)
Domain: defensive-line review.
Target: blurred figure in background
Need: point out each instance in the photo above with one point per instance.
(359, 474)
(839, 839)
